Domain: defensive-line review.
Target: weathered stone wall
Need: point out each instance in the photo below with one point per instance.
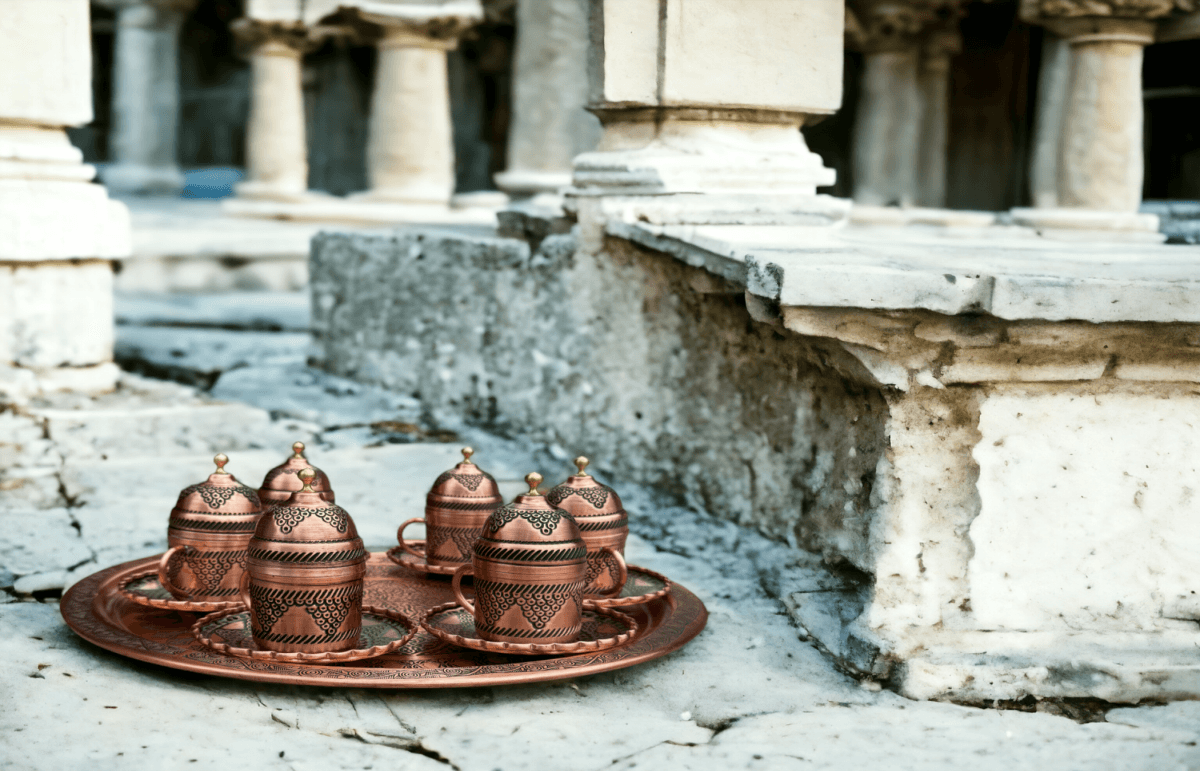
(652, 368)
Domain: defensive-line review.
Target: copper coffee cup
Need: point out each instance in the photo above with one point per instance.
(283, 480)
(456, 508)
(304, 577)
(208, 532)
(530, 569)
(602, 522)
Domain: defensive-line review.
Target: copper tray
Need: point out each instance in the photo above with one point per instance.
(96, 611)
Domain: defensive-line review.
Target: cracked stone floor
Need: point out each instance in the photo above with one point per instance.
(88, 483)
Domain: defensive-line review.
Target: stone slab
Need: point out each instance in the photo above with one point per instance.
(207, 352)
(273, 311)
(1025, 279)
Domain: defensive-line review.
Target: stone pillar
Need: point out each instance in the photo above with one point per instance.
(145, 96)
(702, 102)
(58, 231)
(410, 144)
(550, 90)
(938, 50)
(1098, 165)
(276, 149)
(1053, 80)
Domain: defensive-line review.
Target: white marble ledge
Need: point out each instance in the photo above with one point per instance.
(979, 271)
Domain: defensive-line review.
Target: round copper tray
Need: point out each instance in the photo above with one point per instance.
(642, 586)
(404, 559)
(602, 629)
(229, 632)
(144, 589)
(95, 609)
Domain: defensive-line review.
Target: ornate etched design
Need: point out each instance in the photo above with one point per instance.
(602, 562)
(528, 555)
(464, 538)
(305, 558)
(597, 496)
(310, 639)
(202, 524)
(544, 521)
(538, 603)
(464, 506)
(288, 517)
(216, 497)
(210, 567)
(469, 481)
(327, 607)
(591, 524)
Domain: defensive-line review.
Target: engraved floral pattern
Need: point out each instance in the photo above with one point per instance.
(288, 517)
(543, 521)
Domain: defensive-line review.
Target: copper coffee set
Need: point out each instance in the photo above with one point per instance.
(279, 571)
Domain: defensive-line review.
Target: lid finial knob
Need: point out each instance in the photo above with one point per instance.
(221, 459)
(306, 476)
(533, 480)
(298, 449)
(467, 453)
(581, 463)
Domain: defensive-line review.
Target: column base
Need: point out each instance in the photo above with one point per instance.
(358, 210)
(20, 384)
(1066, 224)
(521, 183)
(136, 179)
(864, 214)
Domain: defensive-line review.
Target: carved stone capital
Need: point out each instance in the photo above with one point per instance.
(1049, 12)
(284, 37)
(889, 25)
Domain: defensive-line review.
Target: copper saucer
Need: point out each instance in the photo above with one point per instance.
(100, 614)
(144, 589)
(383, 631)
(603, 628)
(642, 585)
(405, 560)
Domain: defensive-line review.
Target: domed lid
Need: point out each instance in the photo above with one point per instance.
(466, 480)
(531, 519)
(283, 478)
(306, 516)
(583, 496)
(221, 493)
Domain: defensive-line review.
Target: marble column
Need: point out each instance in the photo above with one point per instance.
(1053, 80)
(410, 139)
(697, 130)
(1095, 107)
(1100, 148)
(145, 96)
(550, 89)
(276, 147)
(937, 51)
(59, 232)
(887, 136)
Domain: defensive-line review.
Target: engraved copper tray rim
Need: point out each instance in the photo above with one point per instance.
(532, 649)
(186, 606)
(397, 555)
(354, 654)
(637, 599)
(671, 622)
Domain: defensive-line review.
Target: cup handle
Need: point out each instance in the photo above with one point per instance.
(456, 587)
(164, 570)
(244, 589)
(624, 574)
(404, 544)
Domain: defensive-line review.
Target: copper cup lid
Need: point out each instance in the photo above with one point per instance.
(583, 487)
(284, 477)
(466, 480)
(221, 493)
(306, 516)
(531, 518)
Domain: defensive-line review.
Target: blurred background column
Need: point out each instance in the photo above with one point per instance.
(145, 97)
(410, 145)
(550, 125)
(937, 52)
(276, 147)
(1098, 166)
